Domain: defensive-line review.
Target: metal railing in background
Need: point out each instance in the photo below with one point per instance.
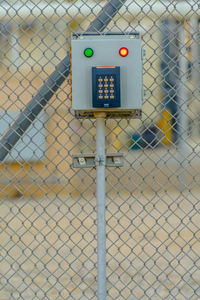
(48, 235)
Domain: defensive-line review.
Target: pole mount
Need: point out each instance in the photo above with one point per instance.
(100, 114)
(91, 161)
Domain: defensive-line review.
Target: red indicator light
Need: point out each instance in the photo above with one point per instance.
(123, 52)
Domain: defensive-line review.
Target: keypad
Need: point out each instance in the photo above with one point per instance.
(106, 87)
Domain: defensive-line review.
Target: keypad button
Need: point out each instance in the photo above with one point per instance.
(100, 85)
(111, 85)
(100, 91)
(106, 85)
(112, 97)
(112, 91)
(106, 97)
(100, 97)
(106, 91)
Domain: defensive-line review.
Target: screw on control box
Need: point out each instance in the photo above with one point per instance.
(106, 86)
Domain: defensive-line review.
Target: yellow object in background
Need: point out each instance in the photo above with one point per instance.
(165, 125)
(116, 142)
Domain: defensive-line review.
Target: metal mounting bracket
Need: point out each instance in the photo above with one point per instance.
(90, 160)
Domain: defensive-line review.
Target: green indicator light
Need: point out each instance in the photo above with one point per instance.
(88, 52)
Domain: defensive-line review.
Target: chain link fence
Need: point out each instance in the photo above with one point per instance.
(48, 235)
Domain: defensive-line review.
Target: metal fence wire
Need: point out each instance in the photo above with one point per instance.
(48, 223)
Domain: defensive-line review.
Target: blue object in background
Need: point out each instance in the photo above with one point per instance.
(148, 139)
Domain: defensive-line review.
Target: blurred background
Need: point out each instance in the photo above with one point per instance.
(48, 208)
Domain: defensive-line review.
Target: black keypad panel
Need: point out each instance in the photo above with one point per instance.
(106, 86)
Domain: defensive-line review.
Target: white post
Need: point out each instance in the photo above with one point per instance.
(15, 49)
(101, 220)
(182, 104)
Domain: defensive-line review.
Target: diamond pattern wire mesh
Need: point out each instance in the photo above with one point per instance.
(48, 247)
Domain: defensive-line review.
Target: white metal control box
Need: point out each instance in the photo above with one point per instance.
(107, 74)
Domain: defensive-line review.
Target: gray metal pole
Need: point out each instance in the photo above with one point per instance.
(195, 53)
(101, 220)
(54, 81)
(195, 74)
(182, 103)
